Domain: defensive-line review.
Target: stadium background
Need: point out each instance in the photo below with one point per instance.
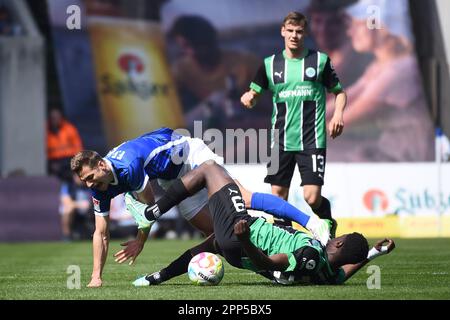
(44, 64)
(50, 64)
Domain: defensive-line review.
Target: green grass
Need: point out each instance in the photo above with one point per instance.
(416, 269)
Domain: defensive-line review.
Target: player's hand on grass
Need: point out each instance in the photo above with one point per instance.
(242, 230)
(336, 126)
(132, 249)
(385, 245)
(95, 283)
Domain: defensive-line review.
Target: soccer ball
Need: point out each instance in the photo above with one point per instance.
(205, 269)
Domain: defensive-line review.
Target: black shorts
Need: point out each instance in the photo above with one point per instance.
(227, 208)
(311, 164)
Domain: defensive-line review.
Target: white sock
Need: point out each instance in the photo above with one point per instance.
(313, 223)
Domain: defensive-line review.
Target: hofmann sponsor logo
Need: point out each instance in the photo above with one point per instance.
(299, 92)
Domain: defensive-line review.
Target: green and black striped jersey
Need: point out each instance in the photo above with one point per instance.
(298, 88)
(274, 239)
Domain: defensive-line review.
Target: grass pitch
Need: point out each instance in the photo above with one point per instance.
(416, 269)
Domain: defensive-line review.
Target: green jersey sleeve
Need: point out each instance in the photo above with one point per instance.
(292, 262)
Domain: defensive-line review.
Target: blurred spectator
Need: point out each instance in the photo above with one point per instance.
(8, 27)
(329, 24)
(63, 142)
(76, 210)
(210, 79)
(122, 222)
(387, 115)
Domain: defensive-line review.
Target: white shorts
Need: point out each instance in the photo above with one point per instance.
(198, 153)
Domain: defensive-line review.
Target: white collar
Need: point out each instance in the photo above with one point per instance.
(116, 181)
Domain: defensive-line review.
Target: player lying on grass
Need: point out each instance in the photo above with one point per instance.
(163, 155)
(252, 243)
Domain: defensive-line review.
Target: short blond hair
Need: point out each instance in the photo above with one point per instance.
(82, 158)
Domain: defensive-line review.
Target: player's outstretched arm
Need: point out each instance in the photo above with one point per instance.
(277, 262)
(382, 247)
(100, 243)
(132, 248)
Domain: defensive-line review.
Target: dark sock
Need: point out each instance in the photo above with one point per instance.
(176, 268)
(152, 213)
(176, 193)
(324, 210)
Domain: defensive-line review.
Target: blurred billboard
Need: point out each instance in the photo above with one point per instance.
(137, 66)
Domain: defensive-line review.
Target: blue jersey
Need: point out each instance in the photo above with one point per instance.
(157, 154)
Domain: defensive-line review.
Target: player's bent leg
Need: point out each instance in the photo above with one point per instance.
(283, 193)
(209, 174)
(280, 191)
(203, 221)
(216, 177)
(282, 209)
(320, 205)
(312, 195)
(246, 194)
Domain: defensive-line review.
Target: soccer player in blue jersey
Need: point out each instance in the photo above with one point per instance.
(163, 155)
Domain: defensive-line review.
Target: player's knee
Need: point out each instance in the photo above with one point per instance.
(207, 166)
(246, 196)
(281, 192)
(209, 163)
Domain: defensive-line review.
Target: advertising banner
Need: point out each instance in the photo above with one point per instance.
(134, 83)
(136, 66)
(379, 200)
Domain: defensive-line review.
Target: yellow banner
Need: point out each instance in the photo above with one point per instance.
(394, 226)
(136, 90)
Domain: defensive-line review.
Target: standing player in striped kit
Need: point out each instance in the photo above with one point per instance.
(298, 79)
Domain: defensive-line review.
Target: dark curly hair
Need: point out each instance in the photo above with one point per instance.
(354, 249)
